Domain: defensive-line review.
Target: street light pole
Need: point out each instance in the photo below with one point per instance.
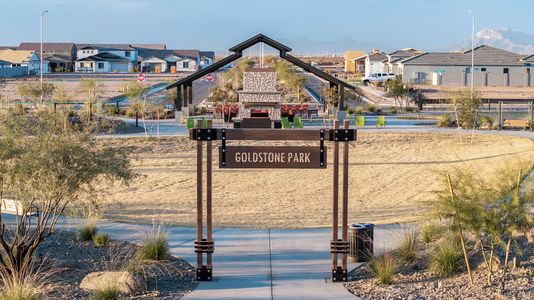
(472, 52)
(41, 54)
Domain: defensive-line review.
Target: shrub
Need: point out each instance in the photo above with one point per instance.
(447, 257)
(407, 250)
(383, 267)
(86, 232)
(19, 291)
(432, 232)
(371, 108)
(154, 245)
(101, 239)
(358, 110)
(445, 121)
(109, 292)
(486, 120)
(393, 110)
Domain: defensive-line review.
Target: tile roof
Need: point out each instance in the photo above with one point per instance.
(105, 56)
(146, 53)
(57, 58)
(484, 55)
(50, 47)
(150, 46)
(109, 47)
(208, 54)
(16, 56)
(377, 56)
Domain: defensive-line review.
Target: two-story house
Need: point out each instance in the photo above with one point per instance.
(60, 56)
(104, 58)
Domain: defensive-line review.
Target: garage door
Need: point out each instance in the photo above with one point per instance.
(119, 67)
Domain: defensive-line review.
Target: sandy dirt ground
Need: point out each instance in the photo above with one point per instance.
(393, 177)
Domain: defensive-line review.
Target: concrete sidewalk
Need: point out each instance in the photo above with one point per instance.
(262, 264)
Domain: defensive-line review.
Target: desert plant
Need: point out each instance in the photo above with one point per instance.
(154, 244)
(371, 108)
(398, 90)
(431, 232)
(107, 292)
(358, 110)
(466, 104)
(31, 285)
(48, 164)
(447, 256)
(444, 121)
(86, 232)
(384, 267)
(408, 246)
(101, 239)
(486, 120)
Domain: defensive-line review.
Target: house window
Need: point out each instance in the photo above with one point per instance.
(127, 53)
(483, 69)
(467, 70)
(82, 65)
(101, 65)
(505, 71)
(90, 65)
(186, 65)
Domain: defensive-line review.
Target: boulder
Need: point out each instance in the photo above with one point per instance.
(126, 282)
(530, 236)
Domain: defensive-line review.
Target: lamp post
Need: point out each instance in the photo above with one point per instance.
(472, 52)
(41, 54)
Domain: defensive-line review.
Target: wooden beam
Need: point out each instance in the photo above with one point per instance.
(209, 163)
(199, 197)
(345, 209)
(335, 198)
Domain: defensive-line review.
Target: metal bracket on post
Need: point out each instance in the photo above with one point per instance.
(342, 135)
(204, 274)
(204, 134)
(339, 275)
(223, 147)
(321, 143)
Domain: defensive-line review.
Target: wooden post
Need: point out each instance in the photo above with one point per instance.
(190, 93)
(499, 114)
(345, 211)
(178, 101)
(335, 209)
(199, 197)
(531, 125)
(209, 237)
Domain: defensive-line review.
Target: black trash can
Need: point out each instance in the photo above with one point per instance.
(361, 242)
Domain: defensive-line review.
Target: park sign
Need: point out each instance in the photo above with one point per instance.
(272, 157)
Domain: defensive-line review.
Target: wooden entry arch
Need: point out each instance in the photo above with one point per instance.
(310, 157)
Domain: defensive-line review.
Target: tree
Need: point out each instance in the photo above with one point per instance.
(330, 98)
(48, 166)
(398, 90)
(466, 104)
(418, 98)
(33, 92)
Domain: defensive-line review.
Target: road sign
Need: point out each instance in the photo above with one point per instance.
(273, 157)
(209, 77)
(140, 77)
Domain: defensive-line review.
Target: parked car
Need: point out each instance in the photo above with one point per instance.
(377, 77)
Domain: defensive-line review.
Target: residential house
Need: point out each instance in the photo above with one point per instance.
(350, 64)
(122, 50)
(159, 61)
(206, 58)
(370, 63)
(104, 62)
(392, 63)
(22, 58)
(149, 46)
(492, 67)
(60, 56)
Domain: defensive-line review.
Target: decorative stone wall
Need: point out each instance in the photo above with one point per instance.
(259, 80)
(259, 97)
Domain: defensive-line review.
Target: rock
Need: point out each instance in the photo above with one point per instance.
(127, 283)
(530, 236)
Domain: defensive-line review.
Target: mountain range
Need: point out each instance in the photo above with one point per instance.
(506, 39)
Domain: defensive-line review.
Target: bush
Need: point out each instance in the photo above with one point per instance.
(358, 110)
(486, 120)
(393, 110)
(85, 233)
(432, 232)
(109, 292)
(22, 291)
(445, 121)
(383, 267)
(154, 245)
(407, 250)
(101, 239)
(371, 108)
(447, 257)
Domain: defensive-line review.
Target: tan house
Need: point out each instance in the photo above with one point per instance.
(23, 58)
(492, 67)
(350, 55)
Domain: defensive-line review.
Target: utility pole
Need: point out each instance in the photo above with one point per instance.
(41, 54)
(472, 52)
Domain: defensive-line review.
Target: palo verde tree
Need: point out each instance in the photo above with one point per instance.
(46, 167)
(490, 211)
(330, 97)
(33, 92)
(466, 107)
(398, 90)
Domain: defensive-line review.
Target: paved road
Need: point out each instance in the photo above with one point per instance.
(257, 264)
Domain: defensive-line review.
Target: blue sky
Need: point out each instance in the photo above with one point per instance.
(219, 24)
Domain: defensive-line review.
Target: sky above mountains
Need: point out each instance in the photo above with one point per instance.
(220, 24)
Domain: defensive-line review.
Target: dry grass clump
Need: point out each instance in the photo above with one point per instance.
(100, 239)
(408, 246)
(384, 267)
(447, 257)
(108, 292)
(154, 244)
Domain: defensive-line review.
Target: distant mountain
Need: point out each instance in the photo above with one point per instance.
(506, 39)
(306, 46)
